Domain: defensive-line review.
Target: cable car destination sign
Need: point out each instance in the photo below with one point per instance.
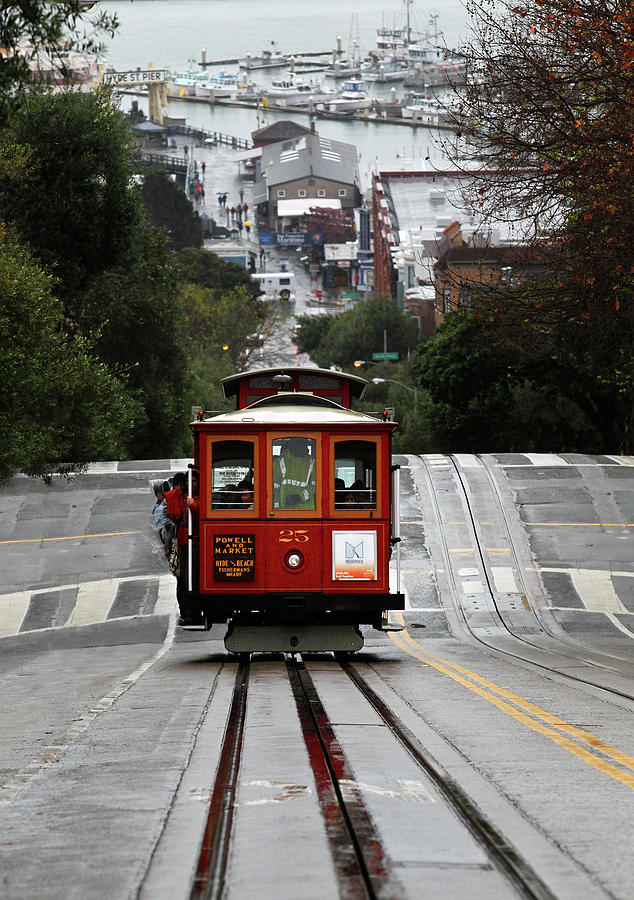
(147, 76)
(234, 556)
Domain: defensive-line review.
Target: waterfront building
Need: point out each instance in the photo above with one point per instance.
(308, 171)
(422, 218)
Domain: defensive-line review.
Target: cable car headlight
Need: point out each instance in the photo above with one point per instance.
(294, 559)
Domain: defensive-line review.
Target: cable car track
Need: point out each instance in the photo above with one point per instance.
(362, 864)
(564, 648)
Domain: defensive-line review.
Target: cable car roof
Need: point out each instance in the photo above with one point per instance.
(294, 407)
(231, 384)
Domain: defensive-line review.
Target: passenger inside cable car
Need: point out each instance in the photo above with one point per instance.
(355, 475)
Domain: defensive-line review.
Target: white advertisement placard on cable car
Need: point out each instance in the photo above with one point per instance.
(354, 556)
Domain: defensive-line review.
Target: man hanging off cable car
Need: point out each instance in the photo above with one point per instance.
(294, 474)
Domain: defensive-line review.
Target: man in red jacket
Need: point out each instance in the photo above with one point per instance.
(178, 502)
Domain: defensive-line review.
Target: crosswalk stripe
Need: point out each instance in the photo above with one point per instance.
(13, 608)
(623, 460)
(93, 603)
(546, 459)
(468, 460)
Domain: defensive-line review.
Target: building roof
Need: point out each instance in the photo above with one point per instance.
(283, 130)
(148, 127)
(310, 155)
(422, 204)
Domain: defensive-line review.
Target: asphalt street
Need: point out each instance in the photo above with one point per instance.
(112, 717)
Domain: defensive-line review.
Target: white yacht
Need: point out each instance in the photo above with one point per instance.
(218, 84)
(293, 88)
(353, 95)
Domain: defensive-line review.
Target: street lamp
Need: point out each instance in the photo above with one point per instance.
(400, 383)
(363, 362)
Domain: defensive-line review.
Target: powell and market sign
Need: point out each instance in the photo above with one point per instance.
(290, 238)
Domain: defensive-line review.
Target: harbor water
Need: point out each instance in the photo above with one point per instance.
(173, 35)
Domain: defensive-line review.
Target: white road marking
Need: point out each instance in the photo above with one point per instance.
(595, 588)
(546, 459)
(102, 468)
(410, 791)
(55, 749)
(166, 598)
(13, 609)
(437, 461)
(468, 460)
(464, 572)
(473, 587)
(179, 464)
(94, 600)
(504, 579)
(283, 791)
(623, 460)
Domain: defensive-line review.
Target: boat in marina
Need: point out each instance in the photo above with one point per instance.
(386, 70)
(353, 95)
(271, 58)
(183, 84)
(219, 84)
(293, 88)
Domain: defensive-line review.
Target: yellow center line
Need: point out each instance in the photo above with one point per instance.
(75, 537)
(485, 689)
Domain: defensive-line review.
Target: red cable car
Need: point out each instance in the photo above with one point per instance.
(298, 514)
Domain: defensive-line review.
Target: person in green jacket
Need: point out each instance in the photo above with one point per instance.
(294, 475)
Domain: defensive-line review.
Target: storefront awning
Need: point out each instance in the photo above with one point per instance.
(301, 206)
(244, 155)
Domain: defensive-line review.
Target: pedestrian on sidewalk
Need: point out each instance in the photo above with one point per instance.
(203, 166)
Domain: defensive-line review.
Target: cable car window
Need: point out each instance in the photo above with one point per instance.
(355, 475)
(317, 382)
(294, 473)
(232, 475)
(262, 381)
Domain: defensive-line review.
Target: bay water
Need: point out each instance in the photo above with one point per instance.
(172, 34)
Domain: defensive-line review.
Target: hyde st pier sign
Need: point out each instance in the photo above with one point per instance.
(138, 76)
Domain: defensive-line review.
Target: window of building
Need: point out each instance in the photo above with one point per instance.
(464, 296)
(294, 473)
(342, 192)
(301, 192)
(321, 192)
(232, 483)
(411, 278)
(281, 192)
(446, 300)
(355, 475)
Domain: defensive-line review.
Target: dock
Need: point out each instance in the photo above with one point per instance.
(311, 111)
(273, 64)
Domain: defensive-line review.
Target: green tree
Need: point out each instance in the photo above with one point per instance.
(74, 204)
(59, 404)
(206, 269)
(169, 208)
(547, 113)
(133, 312)
(360, 333)
(482, 389)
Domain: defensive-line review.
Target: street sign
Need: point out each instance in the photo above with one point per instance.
(149, 76)
(385, 356)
